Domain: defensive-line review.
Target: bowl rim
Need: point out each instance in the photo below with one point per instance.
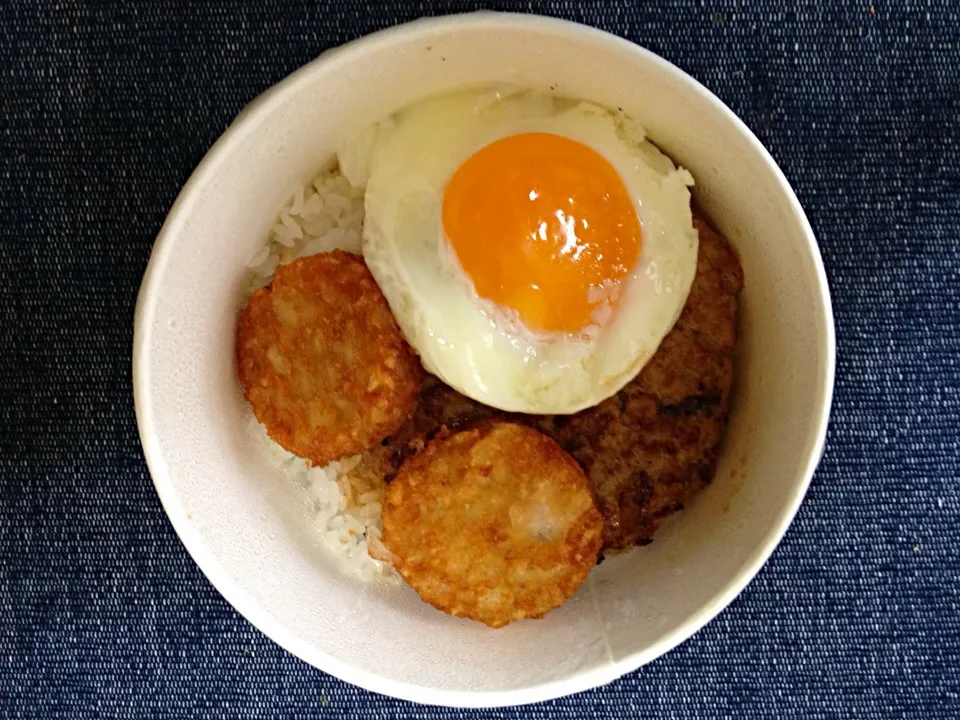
(245, 123)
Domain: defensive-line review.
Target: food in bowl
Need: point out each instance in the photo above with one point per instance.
(621, 367)
(250, 529)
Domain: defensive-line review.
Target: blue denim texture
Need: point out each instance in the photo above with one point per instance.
(105, 109)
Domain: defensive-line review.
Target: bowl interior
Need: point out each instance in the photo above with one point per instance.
(250, 530)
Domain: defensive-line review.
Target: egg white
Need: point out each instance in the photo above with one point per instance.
(481, 349)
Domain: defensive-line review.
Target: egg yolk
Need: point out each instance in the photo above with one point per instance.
(544, 225)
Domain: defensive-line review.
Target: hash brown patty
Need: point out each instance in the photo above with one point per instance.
(322, 361)
(495, 523)
(647, 449)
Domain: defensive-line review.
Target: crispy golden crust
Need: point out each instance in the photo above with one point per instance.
(494, 523)
(322, 361)
(647, 449)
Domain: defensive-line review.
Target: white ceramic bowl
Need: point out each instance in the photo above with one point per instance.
(248, 530)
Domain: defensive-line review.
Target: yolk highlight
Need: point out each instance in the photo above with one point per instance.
(544, 225)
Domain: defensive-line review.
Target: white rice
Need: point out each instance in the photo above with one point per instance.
(344, 498)
(323, 215)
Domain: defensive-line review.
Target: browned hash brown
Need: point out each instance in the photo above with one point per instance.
(653, 444)
(322, 361)
(494, 523)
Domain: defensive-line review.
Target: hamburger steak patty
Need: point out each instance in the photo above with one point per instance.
(654, 443)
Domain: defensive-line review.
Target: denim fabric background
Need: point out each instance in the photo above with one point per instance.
(105, 109)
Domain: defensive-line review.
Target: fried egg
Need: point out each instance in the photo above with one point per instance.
(535, 250)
